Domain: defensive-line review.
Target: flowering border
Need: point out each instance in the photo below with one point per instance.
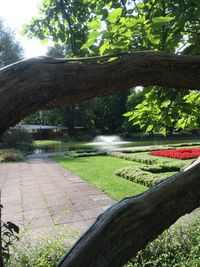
(182, 153)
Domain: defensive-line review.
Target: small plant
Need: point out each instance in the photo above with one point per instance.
(11, 155)
(8, 235)
(42, 250)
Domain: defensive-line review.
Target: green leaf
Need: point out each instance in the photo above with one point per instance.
(44, 41)
(131, 22)
(163, 131)
(104, 47)
(91, 39)
(152, 38)
(149, 128)
(115, 15)
(162, 19)
(94, 25)
(140, 7)
(127, 114)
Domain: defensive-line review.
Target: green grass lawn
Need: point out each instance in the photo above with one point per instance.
(46, 142)
(99, 170)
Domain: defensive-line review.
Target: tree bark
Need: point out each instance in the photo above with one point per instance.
(43, 83)
(128, 226)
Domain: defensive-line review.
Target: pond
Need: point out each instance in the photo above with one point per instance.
(103, 144)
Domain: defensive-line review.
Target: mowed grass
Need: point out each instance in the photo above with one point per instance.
(46, 142)
(99, 170)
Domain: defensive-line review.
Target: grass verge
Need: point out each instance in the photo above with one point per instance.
(99, 170)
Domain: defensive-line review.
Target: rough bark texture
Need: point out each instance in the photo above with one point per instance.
(127, 227)
(43, 83)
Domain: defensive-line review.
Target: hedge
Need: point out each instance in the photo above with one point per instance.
(138, 158)
(77, 154)
(147, 175)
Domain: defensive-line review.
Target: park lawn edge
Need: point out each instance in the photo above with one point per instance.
(115, 187)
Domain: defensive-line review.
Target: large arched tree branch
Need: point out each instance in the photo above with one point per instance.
(127, 227)
(44, 83)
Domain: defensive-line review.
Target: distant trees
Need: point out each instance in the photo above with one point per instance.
(10, 49)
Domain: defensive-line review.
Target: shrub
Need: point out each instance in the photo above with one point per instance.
(66, 138)
(159, 168)
(77, 154)
(11, 155)
(182, 153)
(184, 144)
(138, 158)
(148, 174)
(177, 247)
(142, 149)
(135, 174)
(19, 139)
(44, 251)
(9, 234)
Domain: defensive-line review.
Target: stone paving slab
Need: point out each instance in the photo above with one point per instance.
(39, 194)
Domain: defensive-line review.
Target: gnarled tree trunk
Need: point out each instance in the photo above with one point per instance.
(43, 83)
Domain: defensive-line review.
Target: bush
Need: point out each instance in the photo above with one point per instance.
(177, 247)
(65, 138)
(11, 155)
(143, 149)
(148, 174)
(184, 144)
(9, 234)
(135, 174)
(77, 154)
(138, 158)
(46, 251)
(19, 139)
(160, 168)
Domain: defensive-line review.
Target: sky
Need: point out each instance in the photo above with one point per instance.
(16, 13)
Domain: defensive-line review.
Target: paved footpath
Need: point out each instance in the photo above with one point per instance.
(39, 193)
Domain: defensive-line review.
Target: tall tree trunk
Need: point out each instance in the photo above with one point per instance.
(128, 226)
(44, 83)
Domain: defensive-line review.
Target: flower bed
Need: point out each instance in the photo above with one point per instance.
(182, 153)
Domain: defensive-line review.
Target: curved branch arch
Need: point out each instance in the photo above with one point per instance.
(44, 83)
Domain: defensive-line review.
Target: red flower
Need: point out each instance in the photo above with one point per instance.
(182, 153)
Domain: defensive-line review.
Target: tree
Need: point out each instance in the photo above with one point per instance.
(127, 227)
(10, 50)
(121, 26)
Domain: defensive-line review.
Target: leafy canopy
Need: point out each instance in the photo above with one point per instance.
(108, 27)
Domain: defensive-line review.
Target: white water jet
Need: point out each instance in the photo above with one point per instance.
(106, 142)
(107, 139)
